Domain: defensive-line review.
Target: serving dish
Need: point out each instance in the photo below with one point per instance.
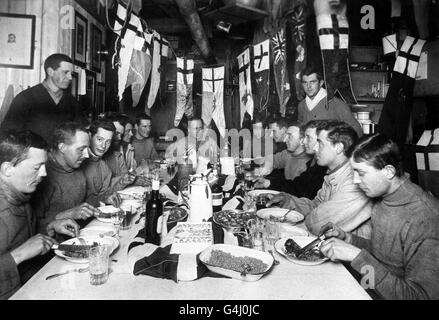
(233, 220)
(239, 253)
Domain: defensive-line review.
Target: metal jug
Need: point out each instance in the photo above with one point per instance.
(198, 199)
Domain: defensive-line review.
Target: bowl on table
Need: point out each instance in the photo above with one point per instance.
(236, 262)
(233, 220)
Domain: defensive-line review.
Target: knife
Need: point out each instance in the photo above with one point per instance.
(311, 245)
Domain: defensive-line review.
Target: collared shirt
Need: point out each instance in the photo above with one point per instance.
(339, 201)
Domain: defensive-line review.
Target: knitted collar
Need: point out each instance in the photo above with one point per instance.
(12, 195)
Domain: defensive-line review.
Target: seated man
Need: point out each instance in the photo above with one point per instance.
(144, 149)
(316, 107)
(278, 129)
(97, 173)
(403, 252)
(339, 200)
(115, 157)
(292, 160)
(310, 181)
(198, 147)
(127, 147)
(22, 166)
(62, 193)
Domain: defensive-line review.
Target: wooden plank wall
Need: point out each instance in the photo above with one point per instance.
(50, 38)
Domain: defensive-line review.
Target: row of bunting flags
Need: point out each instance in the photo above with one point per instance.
(139, 53)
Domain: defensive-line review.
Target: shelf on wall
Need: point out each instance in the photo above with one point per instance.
(367, 70)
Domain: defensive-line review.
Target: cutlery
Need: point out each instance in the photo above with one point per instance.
(284, 217)
(311, 245)
(276, 262)
(80, 270)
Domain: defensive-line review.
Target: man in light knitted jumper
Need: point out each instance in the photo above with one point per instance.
(401, 260)
(339, 200)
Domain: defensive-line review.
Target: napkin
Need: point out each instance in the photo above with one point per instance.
(156, 261)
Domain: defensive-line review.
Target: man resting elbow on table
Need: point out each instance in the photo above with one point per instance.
(339, 200)
(22, 166)
(401, 260)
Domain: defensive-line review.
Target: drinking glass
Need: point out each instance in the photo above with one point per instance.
(249, 181)
(98, 258)
(249, 203)
(127, 217)
(271, 232)
(117, 219)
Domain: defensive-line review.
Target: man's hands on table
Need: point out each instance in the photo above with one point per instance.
(32, 247)
(338, 246)
(83, 211)
(63, 226)
(114, 199)
(283, 200)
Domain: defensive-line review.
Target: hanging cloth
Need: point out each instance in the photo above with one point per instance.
(395, 116)
(213, 98)
(160, 49)
(297, 22)
(245, 86)
(185, 80)
(124, 44)
(280, 69)
(261, 66)
(140, 64)
(333, 30)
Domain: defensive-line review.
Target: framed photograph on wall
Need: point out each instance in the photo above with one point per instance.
(100, 98)
(96, 45)
(17, 37)
(80, 40)
(88, 101)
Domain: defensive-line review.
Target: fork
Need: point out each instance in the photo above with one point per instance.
(80, 270)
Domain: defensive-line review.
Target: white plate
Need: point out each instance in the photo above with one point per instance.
(135, 193)
(106, 230)
(255, 193)
(287, 230)
(292, 217)
(112, 242)
(301, 241)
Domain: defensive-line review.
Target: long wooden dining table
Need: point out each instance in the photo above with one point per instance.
(287, 280)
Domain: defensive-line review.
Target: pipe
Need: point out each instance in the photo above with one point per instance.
(189, 12)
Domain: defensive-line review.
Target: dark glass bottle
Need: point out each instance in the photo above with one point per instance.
(153, 210)
(217, 192)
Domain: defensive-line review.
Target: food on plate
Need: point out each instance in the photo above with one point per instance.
(176, 214)
(79, 252)
(292, 248)
(233, 218)
(250, 265)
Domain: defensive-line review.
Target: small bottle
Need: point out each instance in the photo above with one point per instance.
(217, 192)
(153, 210)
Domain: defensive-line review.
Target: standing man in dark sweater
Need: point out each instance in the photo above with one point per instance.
(401, 260)
(143, 144)
(41, 107)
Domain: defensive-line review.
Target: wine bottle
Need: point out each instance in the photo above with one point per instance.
(217, 192)
(153, 210)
